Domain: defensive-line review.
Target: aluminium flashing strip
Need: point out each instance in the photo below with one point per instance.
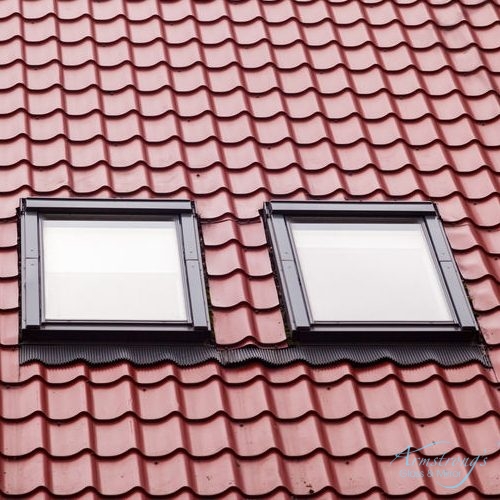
(409, 354)
(350, 208)
(94, 205)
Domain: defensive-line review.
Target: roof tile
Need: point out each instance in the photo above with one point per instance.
(246, 438)
(243, 325)
(254, 262)
(8, 263)
(231, 105)
(466, 236)
(490, 327)
(354, 476)
(236, 289)
(485, 295)
(8, 295)
(469, 401)
(9, 336)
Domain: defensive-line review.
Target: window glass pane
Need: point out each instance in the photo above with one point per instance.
(369, 272)
(112, 270)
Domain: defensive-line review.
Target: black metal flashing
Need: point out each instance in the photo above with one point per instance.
(445, 355)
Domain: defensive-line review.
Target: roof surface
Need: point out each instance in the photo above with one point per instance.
(232, 104)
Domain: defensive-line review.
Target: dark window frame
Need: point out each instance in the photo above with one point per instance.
(277, 216)
(34, 328)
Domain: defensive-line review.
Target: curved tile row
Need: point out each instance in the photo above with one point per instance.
(278, 494)
(222, 262)
(249, 234)
(243, 129)
(252, 183)
(9, 295)
(466, 237)
(185, 159)
(19, 104)
(412, 13)
(204, 143)
(247, 438)
(8, 232)
(227, 472)
(475, 266)
(236, 289)
(467, 401)
(391, 34)
(490, 328)
(260, 81)
(456, 211)
(169, 131)
(8, 263)
(245, 325)
(256, 57)
(485, 295)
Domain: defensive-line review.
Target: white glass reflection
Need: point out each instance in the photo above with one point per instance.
(112, 271)
(369, 272)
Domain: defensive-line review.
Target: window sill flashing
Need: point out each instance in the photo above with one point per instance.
(186, 355)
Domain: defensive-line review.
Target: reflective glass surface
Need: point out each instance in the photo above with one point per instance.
(369, 272)
(112, 270)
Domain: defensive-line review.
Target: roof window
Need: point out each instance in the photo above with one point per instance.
(360, 268)
(128, 268)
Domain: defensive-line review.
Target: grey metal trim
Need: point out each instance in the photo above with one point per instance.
(347, 208)
(290, 284)
(199, 310)
(30, 236)
(194, 273)
(31, 291)
(451, 274)
(460, 300)
(89, 205)
(295, 296)
(283, 246)
(30, 272)
(445, 355)
(189, 237)
(438, 239)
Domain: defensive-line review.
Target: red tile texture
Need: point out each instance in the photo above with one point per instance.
(232, 104)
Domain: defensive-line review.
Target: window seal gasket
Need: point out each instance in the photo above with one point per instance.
(277, 216)
(35, 329)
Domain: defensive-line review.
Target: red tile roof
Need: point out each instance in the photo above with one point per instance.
(232, 104)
